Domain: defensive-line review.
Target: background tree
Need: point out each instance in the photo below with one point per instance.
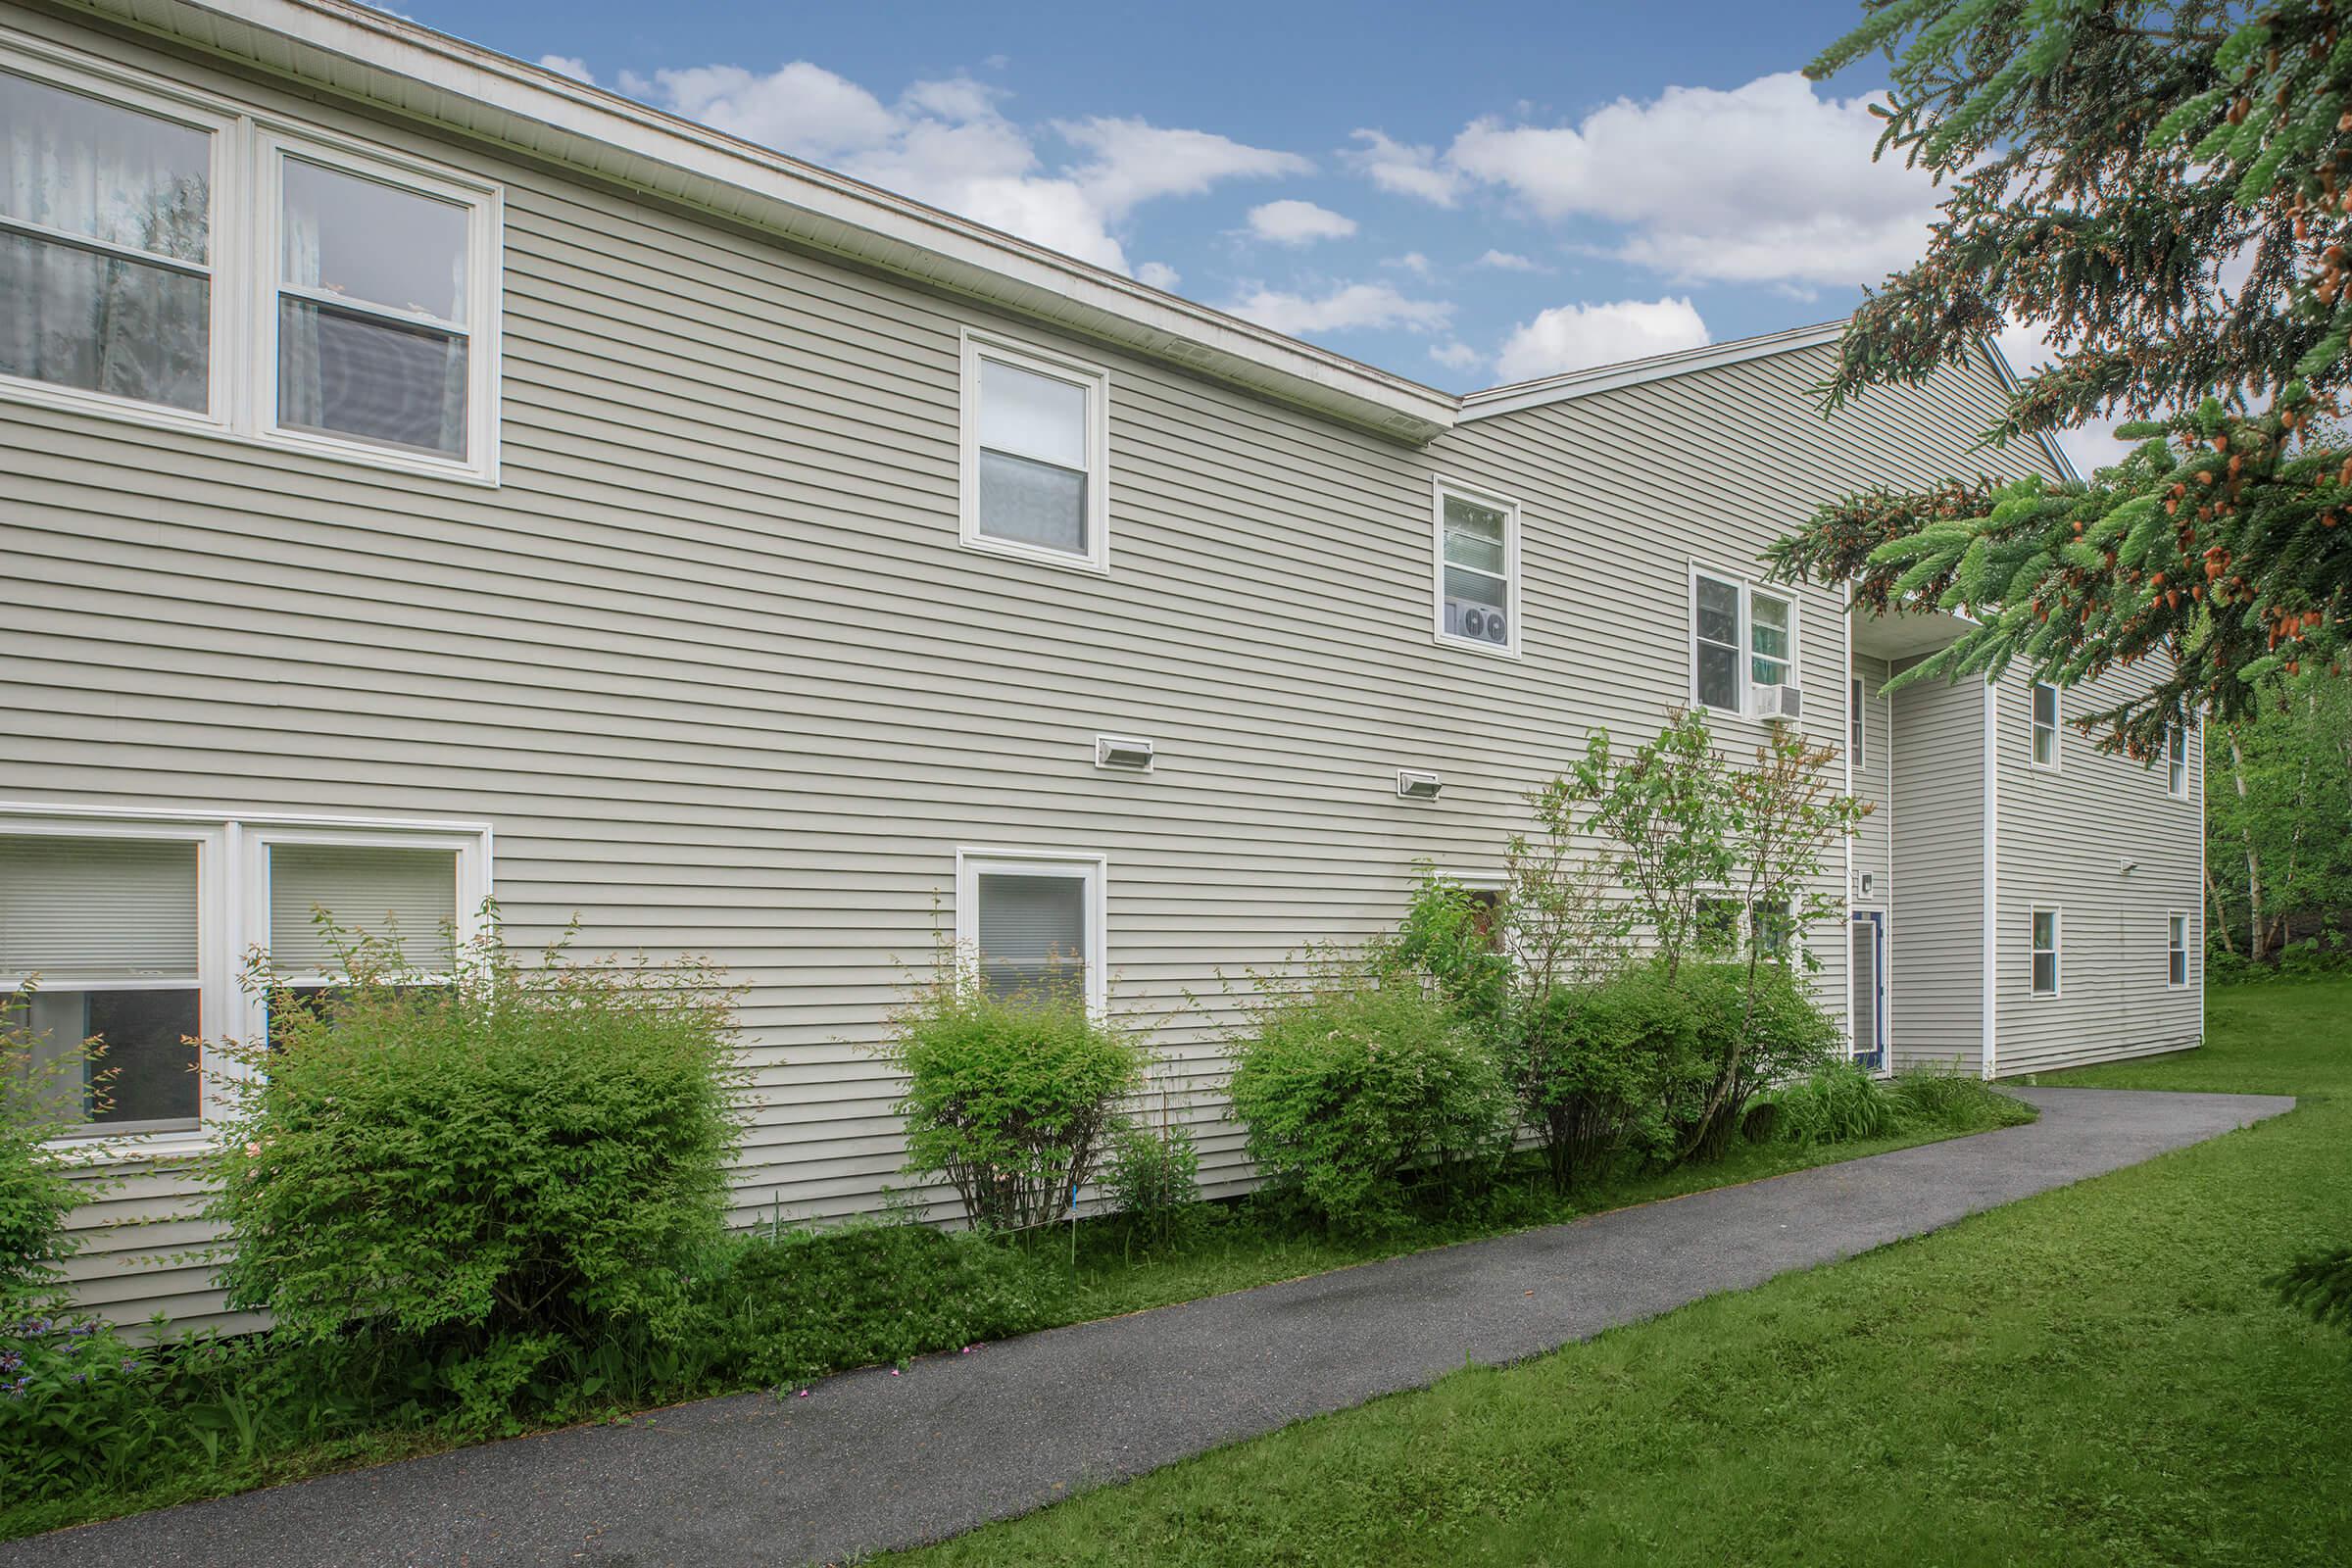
(2279, 813)
(2165, 191)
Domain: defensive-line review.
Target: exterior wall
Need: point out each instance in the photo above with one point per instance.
(2114, 890)
(710, 660)
(1936, 966)
(1873, 776)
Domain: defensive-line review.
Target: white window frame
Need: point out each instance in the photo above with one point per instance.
(1094, 379)
(1857, 722)
(244, 266)
(2035, 728)
(70, 73)
(2176, 762)
(2056, 949)
(1093, 868)
(233, 917)
(1748, 588)
(272, 146)
(1439, 490)
(2175, 941)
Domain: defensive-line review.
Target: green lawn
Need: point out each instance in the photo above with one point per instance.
(2093, 1376)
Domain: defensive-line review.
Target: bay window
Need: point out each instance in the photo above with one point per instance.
(168, 257)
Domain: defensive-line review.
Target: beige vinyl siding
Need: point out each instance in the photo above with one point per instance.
(2115, 999)
(1874, 783)
(712, 664)
(1935, 970)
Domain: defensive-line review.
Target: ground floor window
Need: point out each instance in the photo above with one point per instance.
(2177, 949)
(1030, 923)
(132, 932)
(2046, 952)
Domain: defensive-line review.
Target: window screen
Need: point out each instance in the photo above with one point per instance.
(1715, 651)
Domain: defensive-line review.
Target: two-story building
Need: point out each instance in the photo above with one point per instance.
(425, 477)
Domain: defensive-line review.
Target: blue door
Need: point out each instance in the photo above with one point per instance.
(1868, 971)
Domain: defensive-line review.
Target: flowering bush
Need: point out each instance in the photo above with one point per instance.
(71, 1391)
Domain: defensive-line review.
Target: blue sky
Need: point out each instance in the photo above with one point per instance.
(1466, 198)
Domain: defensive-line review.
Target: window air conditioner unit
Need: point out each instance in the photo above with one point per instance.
(1778, 704)
(1414, 785)
(1129, 753)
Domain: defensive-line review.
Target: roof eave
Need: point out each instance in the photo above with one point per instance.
(414, 72)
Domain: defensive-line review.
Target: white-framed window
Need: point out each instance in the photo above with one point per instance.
(133, 929)
(1729, 927)
(2176, 762)
(1742, 637)
(170, 257)
(1474, 552)
(2175, 949)
(2046, 952)
(1031, 922)
(1036, 454)
(2045, 724)
(1856, 727)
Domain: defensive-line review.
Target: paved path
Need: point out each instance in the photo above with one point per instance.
(870, 1462)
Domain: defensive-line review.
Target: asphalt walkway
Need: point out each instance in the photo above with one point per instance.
(870, 1462)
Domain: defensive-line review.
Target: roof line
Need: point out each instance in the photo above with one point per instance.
(1561, 388)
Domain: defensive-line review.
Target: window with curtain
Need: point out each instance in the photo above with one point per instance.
(2046, 725)
(1715, 646)
(106, 931)
(2046, 952)
(105, 247)
(373, 336)
(1477, 547)
(1771, 639)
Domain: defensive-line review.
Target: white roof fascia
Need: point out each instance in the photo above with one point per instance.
(1632, 372)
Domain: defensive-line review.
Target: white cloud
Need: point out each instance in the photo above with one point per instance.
(1405, 170)
(948, 143)
(2092, 446)
(1510, 261)
(1455, 355)
(572, 65)
(1572, 338)
(1351, 306)
(1767, 183)
(1412, 261)
(1297, 223)
(1159, 275)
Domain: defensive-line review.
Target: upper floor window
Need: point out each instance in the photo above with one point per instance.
(2176, 762)
(1854, 725)
(2045, 724)
(1035, 456)
(1742, 637)
(1477, 548)
(106, 247)
(169, 258)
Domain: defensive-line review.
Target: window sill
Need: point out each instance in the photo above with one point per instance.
(1468, 646)
(112, 1151)
(1035, 556)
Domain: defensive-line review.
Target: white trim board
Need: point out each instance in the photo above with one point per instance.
(1519, 394)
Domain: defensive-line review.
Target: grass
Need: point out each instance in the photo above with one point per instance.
(2098, 1374)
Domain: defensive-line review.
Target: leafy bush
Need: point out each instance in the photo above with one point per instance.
(493, 1167)
(1765, 1032)
(41, 1096)
(1154, 1178)
(1947, 1099)
(1013, 1099)
(1836, 1105)
(1450, 935)
(2319, 1285)
(1354, 1082)
(1594, 1067)
(793, 1306)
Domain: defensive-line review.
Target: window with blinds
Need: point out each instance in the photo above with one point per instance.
(1032, 934)
(380, 892)
(105, 934)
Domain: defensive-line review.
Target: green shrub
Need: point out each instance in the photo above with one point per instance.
(1947, 1099)
(793, 1306)
(41, 1096)
(521, 1158)
(1593, 1067)
(2319, 1285)
(1451, 935)
(1834, 1105)
(1352, 1087)
(1015, 1098)
(1787, 1037)
(1154, 1179)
